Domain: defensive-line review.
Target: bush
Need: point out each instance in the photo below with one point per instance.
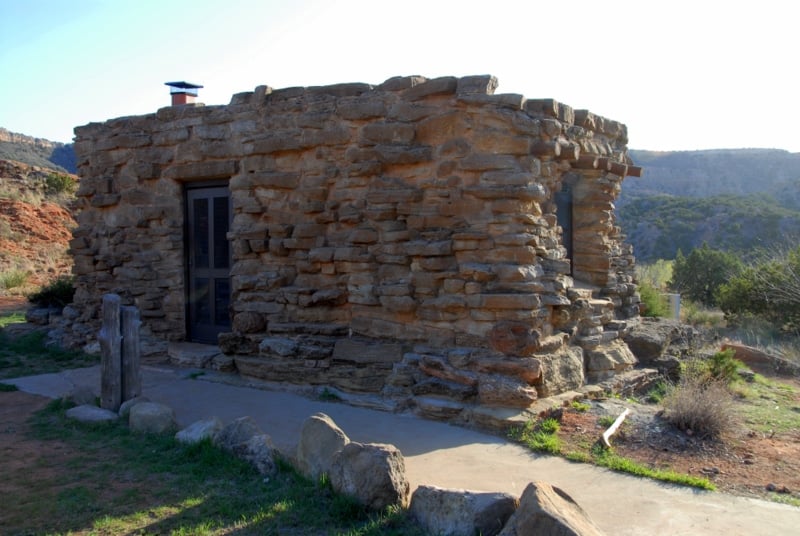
(57, 183)
(704, 407)
(654, 304)
(723, 367)
(701, 401)
(58, 293)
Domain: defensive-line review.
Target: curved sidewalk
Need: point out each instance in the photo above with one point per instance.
(449, 456)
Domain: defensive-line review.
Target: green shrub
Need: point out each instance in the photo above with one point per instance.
(723, 367)
(58, 293)
(654, 303)
(57, 183)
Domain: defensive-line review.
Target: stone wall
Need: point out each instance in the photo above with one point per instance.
(398, 239)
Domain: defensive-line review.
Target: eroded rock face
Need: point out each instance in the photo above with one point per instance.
(371, 224)
(546, 509)
(461, 512)
(373, 474)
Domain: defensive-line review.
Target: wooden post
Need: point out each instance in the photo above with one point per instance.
(111, 354)
(131, 352)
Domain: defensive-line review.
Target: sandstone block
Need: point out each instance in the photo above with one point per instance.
(237, 432)
(561, 371)
(546, 509)
(199, 431)
(320, 439)
(152, 418)
(373, 474)
(391, 133)
(505, 391)
(365, 352)
(457, 512)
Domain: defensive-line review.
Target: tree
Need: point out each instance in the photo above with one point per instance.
(699, 275)
(770, 289)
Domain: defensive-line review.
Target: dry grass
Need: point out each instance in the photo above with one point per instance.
(701, 405)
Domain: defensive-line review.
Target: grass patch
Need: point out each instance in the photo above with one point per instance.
(28, 354)
(542, 436)
(580, 406)
(771, 407)
(8, 388)
(606, 458)
(539, 436)
(13, 318)
(13, 278)
(126, 483)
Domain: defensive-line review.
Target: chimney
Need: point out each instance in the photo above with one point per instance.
(182, 92)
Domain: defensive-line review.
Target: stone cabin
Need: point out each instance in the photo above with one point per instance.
(427, 241)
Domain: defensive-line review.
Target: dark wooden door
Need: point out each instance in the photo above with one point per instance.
(564, 218)
(209, 262)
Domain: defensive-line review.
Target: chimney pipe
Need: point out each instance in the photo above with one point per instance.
(182, 92)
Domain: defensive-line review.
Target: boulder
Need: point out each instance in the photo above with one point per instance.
(452, 512)
(82, 396)
(199, 431)
(320, 439)
(152, 418)
(649, 338)
(546, 509)
(259, 451)
(373, 474)
(237, 432)
(91, 413)
(125, 407)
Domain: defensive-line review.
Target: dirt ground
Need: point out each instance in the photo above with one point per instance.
(747, 463)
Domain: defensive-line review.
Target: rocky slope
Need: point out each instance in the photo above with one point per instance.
(35, 223)
(37, 151)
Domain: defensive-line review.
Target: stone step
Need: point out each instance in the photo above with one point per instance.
(502, 419)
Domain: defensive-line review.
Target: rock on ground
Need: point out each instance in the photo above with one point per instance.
(374, 474)
(546, 509)
(91, 413)
(259, 451)
(82, 396)
(125, 407)
(237, 432)
(320, 439)
(200, 430)
(152, 418)
(452, 512)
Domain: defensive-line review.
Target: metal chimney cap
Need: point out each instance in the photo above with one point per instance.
(183, 85)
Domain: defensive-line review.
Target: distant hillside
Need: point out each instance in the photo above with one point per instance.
(738, 200)
(714, 172)
(37, 151)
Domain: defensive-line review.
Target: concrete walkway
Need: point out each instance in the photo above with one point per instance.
(453, 457)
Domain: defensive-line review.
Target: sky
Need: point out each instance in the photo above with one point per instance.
(682, 75)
